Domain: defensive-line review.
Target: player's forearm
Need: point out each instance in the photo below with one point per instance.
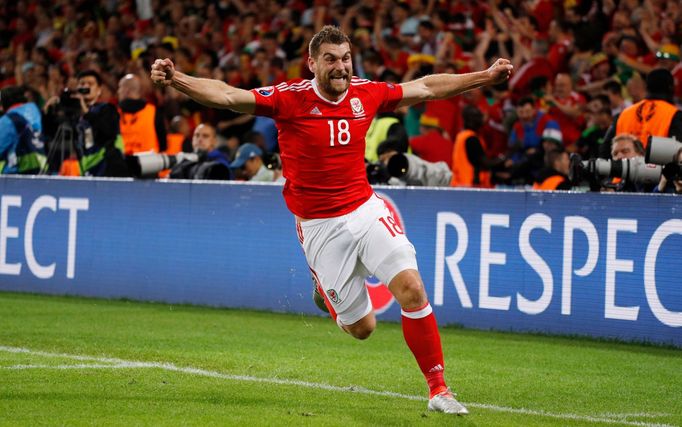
(212, 93)
(441, 86)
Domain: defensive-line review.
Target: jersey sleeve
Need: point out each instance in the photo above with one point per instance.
(389, 95)
(267, 101)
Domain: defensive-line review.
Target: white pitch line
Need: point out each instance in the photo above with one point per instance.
(78, 366)
(632, 415)
(114, 363)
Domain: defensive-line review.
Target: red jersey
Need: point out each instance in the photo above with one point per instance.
(571, 128)
(322, 143)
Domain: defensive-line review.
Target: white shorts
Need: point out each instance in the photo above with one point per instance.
(342, 251)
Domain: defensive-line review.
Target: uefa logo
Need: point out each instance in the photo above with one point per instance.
(381, 297)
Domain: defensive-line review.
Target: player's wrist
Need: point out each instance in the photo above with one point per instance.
(176, 80)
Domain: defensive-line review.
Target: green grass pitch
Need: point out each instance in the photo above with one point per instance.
(74, 361)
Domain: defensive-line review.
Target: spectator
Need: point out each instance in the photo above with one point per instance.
(209, 164)
(636, 88)
(599, 73)
(527, 130)
(668, 56)
(372, 64)
(592, 138)
(617, 102)
(266, 127)
(425, 41)
(536, 66)
(495, 131)
(393, 56)
(21, 151)
(141, 123)
(631, 58)
(565, 107)
(249, 164)
(96, 125)
(555, 174)
(431, 145)
(655, 115)
(561, 38)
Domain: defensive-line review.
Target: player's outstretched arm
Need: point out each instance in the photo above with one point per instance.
(212, 93)
(441, 86)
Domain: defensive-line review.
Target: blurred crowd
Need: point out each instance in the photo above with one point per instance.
(578, 65)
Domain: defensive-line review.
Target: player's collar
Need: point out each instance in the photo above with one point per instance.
(317, 92)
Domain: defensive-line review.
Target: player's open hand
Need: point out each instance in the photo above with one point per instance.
(162, 72)
(500, 71)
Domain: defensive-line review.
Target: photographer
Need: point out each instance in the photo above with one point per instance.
(626, 146)
(96, 139)
(554, 176)
(209, 163)
(627, 171)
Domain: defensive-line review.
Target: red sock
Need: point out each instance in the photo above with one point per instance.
(422, 337)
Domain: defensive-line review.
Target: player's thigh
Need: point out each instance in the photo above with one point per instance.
(385, 250)
(332, 253)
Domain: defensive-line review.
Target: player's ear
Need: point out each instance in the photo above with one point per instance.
(311, 64)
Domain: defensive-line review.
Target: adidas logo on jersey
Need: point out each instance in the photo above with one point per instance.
(316, 111)
(436, 368)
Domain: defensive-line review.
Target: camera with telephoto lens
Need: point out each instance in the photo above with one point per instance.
(666, 152)
(147, 165)
(377, 173)
(661, 150)
(600, 172)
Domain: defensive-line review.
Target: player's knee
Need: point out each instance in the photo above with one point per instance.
(413, 289)
(363, 328)
(408, 289)
(362, 333)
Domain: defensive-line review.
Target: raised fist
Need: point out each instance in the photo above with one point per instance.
(500, 71)
(162, 72)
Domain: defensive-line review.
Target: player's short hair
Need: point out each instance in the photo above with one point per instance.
(328, 34)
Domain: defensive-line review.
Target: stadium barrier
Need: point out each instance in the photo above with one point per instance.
(603, 265)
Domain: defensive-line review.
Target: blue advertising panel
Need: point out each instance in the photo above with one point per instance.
(603, 265)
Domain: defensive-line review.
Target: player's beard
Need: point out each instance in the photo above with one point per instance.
(335, 87)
